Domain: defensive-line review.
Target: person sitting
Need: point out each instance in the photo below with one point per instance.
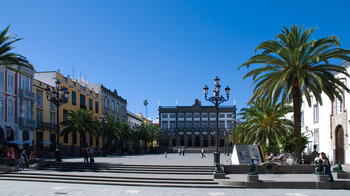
(280, 158)
(32, 157)
(270, 157)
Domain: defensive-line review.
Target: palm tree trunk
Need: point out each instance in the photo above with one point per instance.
(297, 101)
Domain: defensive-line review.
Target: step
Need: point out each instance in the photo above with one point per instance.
(179, 185)
(133, 168)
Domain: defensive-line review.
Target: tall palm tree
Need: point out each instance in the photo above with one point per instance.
(110, 130)
(124, 131)
(265, 122)
(8, 58)
(293, 66)
(83, 122)
(145, 103)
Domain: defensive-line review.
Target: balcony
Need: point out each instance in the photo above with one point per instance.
(27, 94)
(25, 122)
(46, 125)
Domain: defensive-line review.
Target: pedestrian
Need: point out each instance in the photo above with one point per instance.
(91, 154)
(183, 151)
(166, 155)
(179, 151)
(86, 155)
(327, 166)
(203, 151)
(11, 157)
(23, 161)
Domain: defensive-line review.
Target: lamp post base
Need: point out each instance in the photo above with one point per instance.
(58, 155)
(218, 168)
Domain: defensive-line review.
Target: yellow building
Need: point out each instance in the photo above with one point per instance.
(79, 97)
(148, 121)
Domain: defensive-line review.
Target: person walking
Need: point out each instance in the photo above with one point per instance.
(91, 154)
(179, 151)
(86, 155)
(203, 153)
(165, 154)
(183, 151)
(24, 160)
(327, 166)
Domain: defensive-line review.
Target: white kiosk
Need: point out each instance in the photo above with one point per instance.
(241, 154)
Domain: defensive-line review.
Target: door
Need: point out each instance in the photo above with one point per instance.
(339, 145)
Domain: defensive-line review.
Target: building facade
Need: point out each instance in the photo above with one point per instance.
(195, 126)
(134, 120)
(16, 107)
(80, 97)
(327, 125)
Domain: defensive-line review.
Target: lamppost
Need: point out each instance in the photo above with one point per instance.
(217, 99)
(58, 96)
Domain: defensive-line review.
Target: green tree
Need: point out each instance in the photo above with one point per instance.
(110, 130)
(125, 133)
(264, 123)
(8, 58)
(83, 122)
(293, 66)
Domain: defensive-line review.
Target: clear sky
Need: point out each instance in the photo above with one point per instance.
(161, 50)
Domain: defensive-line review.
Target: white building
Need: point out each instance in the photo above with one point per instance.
(327, 125)
(133, 120)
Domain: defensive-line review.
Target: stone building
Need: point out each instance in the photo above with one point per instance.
(195, 126)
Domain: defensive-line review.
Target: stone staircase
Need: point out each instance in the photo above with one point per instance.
(125, 175)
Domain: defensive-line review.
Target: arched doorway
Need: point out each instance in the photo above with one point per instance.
(339, 145)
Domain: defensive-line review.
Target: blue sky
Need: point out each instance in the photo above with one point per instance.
(161, 50)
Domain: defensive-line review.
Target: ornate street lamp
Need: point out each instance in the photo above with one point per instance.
(58, 96)
(217, 99)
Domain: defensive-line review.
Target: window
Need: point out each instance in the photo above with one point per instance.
(74, 137)
(189, 116)
(181, 115)
(113, 106)
(65, 114)
(229, 115)
(205, 124)
(74, 98)
(118, 108)
(181, 124)
(52, 106)
(165, 124)
(10, 110)
(189, 124)
(65, 138)
(39, 117)
(316, 113)
(172, 115)
(221, 124)
(317, 139)
(10, 81)
(205, 116)
(65, 97)
(212, 115)
(339, 106)
(164, 115)
(52, 121)
(197, 115)
(39, 100)
(2, 109)
(90, 104)
(172, 124)
(212, 124)
(197, 125)
(82, 101)
(96, 106)
(229, 124)
(221, 115)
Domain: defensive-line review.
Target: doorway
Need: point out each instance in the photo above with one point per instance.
(339, 145)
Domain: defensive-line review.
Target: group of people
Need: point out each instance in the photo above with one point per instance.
(181, 151)
(280, 158)
(88, 154)
(23, 161)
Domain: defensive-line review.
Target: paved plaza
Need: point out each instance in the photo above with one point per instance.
(9, 187)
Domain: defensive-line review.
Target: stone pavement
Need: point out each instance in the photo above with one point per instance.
(17, 188)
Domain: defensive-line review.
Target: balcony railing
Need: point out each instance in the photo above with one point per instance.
(46, 125)
(27, 94)
(26, 122)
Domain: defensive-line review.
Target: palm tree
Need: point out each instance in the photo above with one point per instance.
(264, 123)
(145, 103)
(295, 66)
(110, 130)
(81, 121)
(124, 131)
(8, 58)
